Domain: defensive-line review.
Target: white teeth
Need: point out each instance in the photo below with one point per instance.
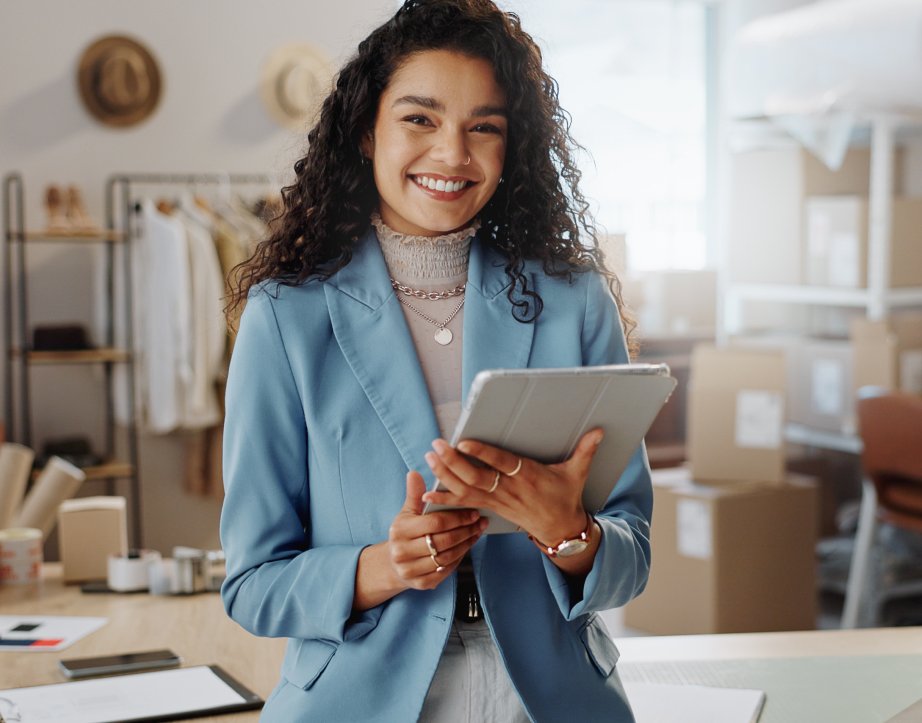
(440, 185)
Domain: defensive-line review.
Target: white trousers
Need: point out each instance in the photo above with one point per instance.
(471, 684)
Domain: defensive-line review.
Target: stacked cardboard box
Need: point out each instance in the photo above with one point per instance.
(729, 558)
(766, 227)
(673, 303)
(837, 242)
(824, 375)
(733, 535)
(736, 414)
(889, 353)
(821, 385)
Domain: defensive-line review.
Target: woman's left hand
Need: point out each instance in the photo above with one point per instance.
(545, 500)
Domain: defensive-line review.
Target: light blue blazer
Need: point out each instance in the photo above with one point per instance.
(327, 409)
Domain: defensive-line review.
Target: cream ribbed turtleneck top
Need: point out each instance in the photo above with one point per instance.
(432, 263)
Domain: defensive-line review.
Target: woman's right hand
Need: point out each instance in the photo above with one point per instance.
(452, 533)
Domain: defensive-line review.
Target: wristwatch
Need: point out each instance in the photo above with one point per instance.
(570, 547)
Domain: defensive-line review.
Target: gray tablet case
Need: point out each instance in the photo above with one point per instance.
(542, 413)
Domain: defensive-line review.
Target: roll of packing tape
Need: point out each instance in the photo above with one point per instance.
(130, 573)
(20, 555)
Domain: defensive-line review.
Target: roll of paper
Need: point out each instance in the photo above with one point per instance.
(58, 481)
(15, 467)
(129, 573)
(20, 555)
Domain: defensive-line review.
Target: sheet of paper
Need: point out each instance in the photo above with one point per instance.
(664, 703)
(38, 633)
(124, 697)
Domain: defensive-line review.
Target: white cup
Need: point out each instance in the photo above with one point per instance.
(20, 555)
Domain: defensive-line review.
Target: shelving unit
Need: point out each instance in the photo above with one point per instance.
(118, 465)
(877, 300)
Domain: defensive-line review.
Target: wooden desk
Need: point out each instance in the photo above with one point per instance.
(737, 646)
(197, 628)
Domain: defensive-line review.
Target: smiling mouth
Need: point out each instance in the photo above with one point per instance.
(441, 184)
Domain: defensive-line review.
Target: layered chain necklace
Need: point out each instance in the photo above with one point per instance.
(443, 335)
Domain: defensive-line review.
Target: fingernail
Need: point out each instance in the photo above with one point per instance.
(484, 523)
(464, 447)
(598, 438)
(430, 458)
(473, 516)
(439, 445)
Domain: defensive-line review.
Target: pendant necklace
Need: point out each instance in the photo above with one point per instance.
(443, 336)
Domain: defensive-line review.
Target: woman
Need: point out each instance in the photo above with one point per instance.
(435, 229)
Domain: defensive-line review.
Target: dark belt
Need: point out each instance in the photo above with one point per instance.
(467, 602)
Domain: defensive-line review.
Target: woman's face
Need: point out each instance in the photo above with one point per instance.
(439, 142)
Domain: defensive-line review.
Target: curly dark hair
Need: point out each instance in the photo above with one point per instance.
(537, 211)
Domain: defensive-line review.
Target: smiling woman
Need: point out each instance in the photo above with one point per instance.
(439, 142)
(436, 228)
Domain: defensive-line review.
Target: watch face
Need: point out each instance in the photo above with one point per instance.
(571, 547)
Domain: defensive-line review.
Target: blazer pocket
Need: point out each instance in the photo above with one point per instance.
(601, 649)
(303, 667)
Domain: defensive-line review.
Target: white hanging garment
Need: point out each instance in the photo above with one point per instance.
(208, 332)
(162, 292)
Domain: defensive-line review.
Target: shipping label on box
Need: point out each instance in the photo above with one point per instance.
(759, 419)
(828, 389)
(694, 537)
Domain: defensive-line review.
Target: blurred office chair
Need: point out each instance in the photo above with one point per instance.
(890, 426)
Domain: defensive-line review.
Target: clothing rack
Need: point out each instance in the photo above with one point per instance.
(121, 201)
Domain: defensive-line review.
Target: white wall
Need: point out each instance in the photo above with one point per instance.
(210, 118)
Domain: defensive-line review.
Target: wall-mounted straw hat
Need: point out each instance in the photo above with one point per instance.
(295, 80)
(119, 81)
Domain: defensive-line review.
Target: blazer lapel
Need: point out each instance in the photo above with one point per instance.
(493, 339)
(370, 328)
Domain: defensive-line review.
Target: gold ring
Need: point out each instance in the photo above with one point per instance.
(518, 468)
(495, 482)
(438, 567)
(431, 546)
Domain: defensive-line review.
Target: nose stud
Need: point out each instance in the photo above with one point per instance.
(467, 162)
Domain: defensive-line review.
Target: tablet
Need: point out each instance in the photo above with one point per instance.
(542, 413)
(164, 695)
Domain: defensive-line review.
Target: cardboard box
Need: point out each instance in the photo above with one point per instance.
(677, 303)
(765, 226)
(89, 530)
(729, 559)
(889, 353)
(837, 242)
(736, 412)
(769, 189)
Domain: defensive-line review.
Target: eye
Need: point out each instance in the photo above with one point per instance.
(417, 120)
(487, 128)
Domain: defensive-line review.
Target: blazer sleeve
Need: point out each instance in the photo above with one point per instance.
(622, 562)
(275, 585)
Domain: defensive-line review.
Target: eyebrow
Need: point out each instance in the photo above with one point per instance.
(436, 105)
